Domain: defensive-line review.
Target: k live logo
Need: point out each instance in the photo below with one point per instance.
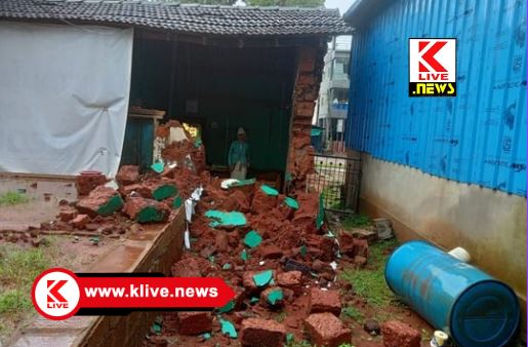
(432, 67)
(55, 298)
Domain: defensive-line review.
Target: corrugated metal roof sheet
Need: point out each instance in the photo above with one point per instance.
(477, 137)
(200, 19)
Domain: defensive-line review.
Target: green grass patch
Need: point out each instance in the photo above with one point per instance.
(12, 198)
(353, 313)
(14, 300)
(369, 283)
(18, 268)
(295, 343)
(356, 221)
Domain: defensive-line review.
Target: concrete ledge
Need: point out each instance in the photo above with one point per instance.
(154, 250)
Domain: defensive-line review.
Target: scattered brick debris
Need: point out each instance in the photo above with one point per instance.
(397, 334)
(86, 181)
(194, 323)
(262, 333)
(325, 301)
(80, 221)
(272, 297)
(127, 174)
(325, 329)
(100, 201)
(270, 251)
(67, 213)
(146, 210)
(291, 280)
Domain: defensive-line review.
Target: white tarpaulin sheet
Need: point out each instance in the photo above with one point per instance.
(63, 97)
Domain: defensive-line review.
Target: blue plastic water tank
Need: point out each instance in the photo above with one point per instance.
(475, 309)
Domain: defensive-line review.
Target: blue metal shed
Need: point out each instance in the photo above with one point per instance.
(477, 137)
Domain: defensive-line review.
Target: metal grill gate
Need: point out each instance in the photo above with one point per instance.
(337, 179)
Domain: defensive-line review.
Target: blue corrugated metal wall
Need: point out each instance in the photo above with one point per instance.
(477, 137)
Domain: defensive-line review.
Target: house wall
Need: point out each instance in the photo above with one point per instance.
(306, 90)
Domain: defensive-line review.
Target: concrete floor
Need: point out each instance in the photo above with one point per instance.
(44, 194)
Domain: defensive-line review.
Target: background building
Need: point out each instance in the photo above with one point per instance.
(332, 105)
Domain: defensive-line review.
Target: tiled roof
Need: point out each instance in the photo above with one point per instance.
(199, 19)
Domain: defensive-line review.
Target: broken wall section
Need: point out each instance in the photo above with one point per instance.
(300, 158)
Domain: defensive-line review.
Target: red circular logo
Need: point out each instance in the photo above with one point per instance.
(56, 294)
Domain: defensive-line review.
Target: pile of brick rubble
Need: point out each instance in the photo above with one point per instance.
(274, 250)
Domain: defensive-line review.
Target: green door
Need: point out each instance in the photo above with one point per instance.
(138, 143)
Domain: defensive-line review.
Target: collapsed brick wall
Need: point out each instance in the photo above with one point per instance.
(306, 90)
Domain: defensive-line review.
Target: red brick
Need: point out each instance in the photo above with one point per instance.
(67, 213)
(306, 78)
(262, 203)
(134, 206)
(86, 181)
(304, 108)
(321, 247)
(258, 332)
(236, 201)
(157, 341)
(346, 243)
(364, 234)
(97, 197)
(361, 248)
(221, 241)
(283, 210)
(309, 93)
(321, 266)
(270, 251)
(190, 267)
(127, 174)
(325, 329)
(170, 322)
(249, 283)
(141, 189)
(398, 334)
(240, 296)
(194, 323)
(264, 297)
(307, 59)
(352, 246)
(91, 226)
(80, 221)
(291, 280)
(325, 301)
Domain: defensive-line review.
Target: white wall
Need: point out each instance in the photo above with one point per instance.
(63, 97)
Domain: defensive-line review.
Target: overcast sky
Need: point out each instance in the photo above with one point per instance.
(342, 5)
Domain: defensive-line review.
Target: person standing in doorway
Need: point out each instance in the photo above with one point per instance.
(238, 157)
